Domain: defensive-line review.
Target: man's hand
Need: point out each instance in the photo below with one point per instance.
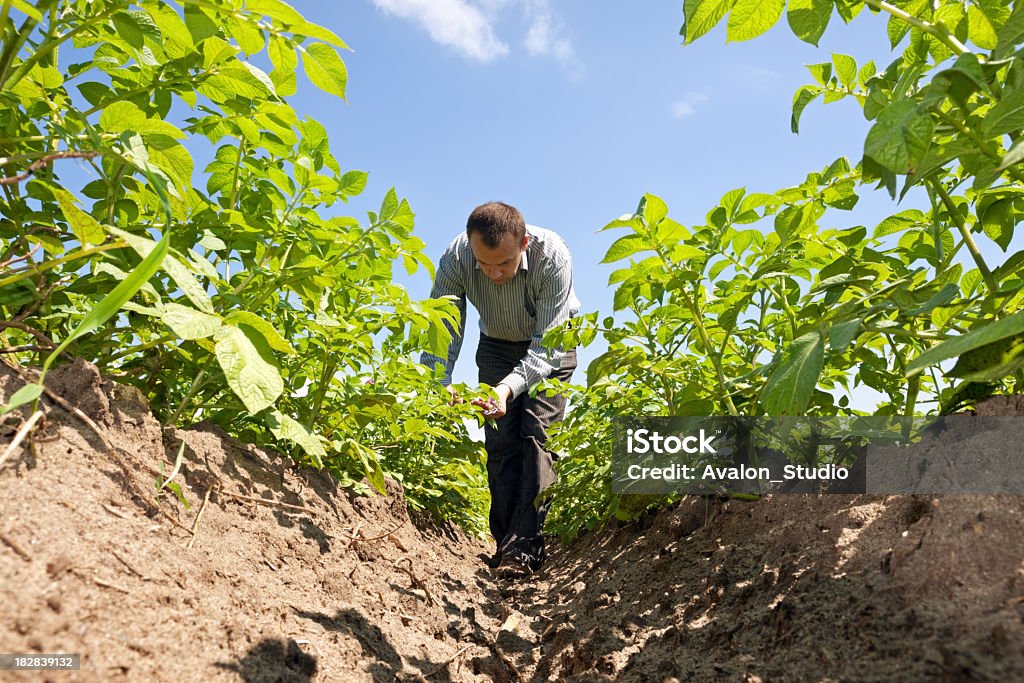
(495, 408)
(455, 396)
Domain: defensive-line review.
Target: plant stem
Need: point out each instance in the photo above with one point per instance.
(913, 334)
(238, 167)
(4, 12)
(12, 48)
(983, 145)
(715, 360)
(141, 347)
(967, 237)
(936, 232)
(47, 265)
(942, 34)
(325, 378)
(197, 383)
(45, 48)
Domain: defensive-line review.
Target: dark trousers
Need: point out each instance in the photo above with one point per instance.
(519, 467)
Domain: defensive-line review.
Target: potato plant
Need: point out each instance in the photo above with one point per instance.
(767, 309)
(237, 292)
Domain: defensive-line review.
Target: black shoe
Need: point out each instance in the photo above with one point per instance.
(521, 562)
(494, 561)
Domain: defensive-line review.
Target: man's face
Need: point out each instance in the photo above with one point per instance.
(500, 264)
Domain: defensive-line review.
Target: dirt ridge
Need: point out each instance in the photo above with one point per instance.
(316, 583)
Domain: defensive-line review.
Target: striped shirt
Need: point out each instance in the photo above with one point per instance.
(539, 298)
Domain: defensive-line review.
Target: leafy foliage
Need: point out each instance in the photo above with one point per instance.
(235, 291)
(764, 310)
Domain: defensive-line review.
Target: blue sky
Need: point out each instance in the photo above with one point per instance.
(571, 111)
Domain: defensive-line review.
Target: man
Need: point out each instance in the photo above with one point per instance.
(519, 278)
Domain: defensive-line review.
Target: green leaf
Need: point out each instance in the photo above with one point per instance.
(173, 159)
(897, 28)
(282, 56)
(86, 228)
(625, 246)
(822, 73)
(28, 10)
(128, 29)
(750, 18)
(211, 241)
(353, 182)
(188, 323)
(1010, 33)
(866, 72)
(318, 32)
(247, 34)
(199, 24)
(238, 81)
(957, 346)
(371, 466)
(177, 39)
(900, 222)
(792, 221)
(653, 209)
(791, 385)
(846, 69)
(900, 137)
(26, 394)
(1006, 116)
(112, 302)
(255, 381)
(178, 271)
(742, 240)
(804, 96)
(992, 361)
(287, 428)
(123, 116)
(1014, 156)
(703, 15)
(273, 338)
(980, 29)
(809, 18)
(325, 69)
(940, 298)
(275, 9)
(841, 335)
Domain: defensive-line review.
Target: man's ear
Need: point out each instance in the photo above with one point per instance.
(526, 241)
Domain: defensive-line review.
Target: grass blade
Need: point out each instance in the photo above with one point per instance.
(112, 302)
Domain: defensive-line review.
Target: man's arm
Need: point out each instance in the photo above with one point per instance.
(555, 304)
(448, 282)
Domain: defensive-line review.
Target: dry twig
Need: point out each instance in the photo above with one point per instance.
(199, 516)
(447, 662)
(22, 433)
(265, 501)
(377, 538)
(132, 569)
(101, 582)
(16, 547)
(416, 583)
(44, 162)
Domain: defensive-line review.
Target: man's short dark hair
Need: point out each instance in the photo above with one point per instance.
(493, 220)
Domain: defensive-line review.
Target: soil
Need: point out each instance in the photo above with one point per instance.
(282, 576)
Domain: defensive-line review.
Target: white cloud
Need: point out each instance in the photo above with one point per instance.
(688, 104)
(455, 23)
(757, 76)
(471, 27)
(545, 38)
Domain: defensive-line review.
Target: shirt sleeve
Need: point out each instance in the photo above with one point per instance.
(448, 282)
(554, 305)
